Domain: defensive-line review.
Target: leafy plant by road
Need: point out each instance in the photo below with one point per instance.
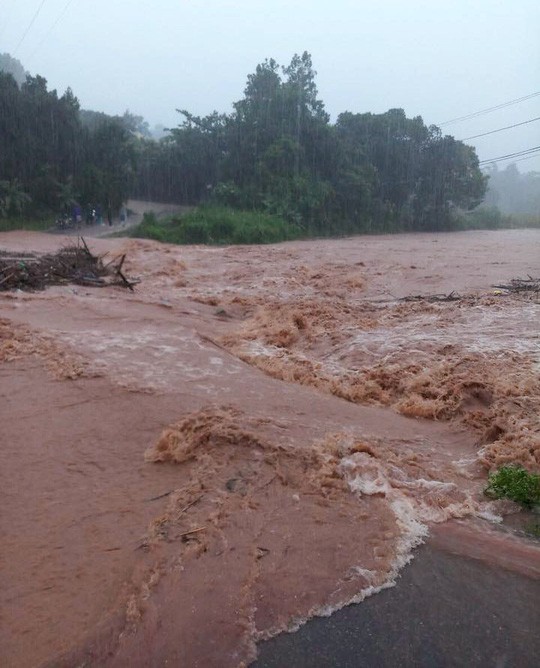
(515, 483)
(217, 225)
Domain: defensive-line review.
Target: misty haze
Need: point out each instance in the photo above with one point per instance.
(269, 306)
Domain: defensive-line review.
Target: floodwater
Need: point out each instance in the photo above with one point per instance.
(254, 437)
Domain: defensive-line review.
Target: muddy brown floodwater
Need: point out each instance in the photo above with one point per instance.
(254, 437)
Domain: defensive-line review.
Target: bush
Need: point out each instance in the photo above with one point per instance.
(532, 529)
(491, 218)
(149, 228)
(212, 224)
(22, 223)
(193, 232)
(524, 220)
(515, 483)
(481, 218)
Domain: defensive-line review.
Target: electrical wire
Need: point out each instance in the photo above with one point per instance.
(534, 150)
(53, 26)
(29, 26)
(528, 157)
(490, 109)
(517, 154)
(516, 125)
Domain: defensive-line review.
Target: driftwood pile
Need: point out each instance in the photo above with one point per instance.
(450, 297)
(529, 284)
(71, 264)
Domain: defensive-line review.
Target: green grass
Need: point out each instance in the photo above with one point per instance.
(35, 224)
(523, 220)
(515, 483)
(532, 529)
(490, 218)
(217, 225)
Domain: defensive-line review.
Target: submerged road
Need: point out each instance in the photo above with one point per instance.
(445, 611)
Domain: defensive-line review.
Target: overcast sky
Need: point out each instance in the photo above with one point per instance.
(437, 59)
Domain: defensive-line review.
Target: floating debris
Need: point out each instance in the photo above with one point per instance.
(71, 264)
(529, 284)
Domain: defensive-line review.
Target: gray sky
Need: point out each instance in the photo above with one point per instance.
(439, 59)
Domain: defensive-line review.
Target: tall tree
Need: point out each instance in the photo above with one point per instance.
(278, 152)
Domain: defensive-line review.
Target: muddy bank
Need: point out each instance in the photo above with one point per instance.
(254, 437)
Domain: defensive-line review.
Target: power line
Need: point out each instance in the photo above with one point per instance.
(490, 109)
(509, 156)
(526, 158)
(60, 17)
(501, 129)
(29, 26)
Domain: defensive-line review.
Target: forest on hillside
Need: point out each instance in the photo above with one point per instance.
(513, 192)
(276, 152)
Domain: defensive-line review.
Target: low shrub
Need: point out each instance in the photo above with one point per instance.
(191, 231)
(515, 483)
(148, 228)
(20, 223)
(491, 218)
(212, 224)
(532, 529)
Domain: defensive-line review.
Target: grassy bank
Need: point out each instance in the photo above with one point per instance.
(34, 224)
(209, 224)
(216, 225)
(490, 218)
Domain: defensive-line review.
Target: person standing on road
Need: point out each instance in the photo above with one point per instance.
(77, 215)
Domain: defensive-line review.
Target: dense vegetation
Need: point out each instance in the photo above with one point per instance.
(49, 159)
(278, 153)
(210, 224)
(275, 163)
(515, 483)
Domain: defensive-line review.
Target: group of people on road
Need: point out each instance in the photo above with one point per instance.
(91, 214)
